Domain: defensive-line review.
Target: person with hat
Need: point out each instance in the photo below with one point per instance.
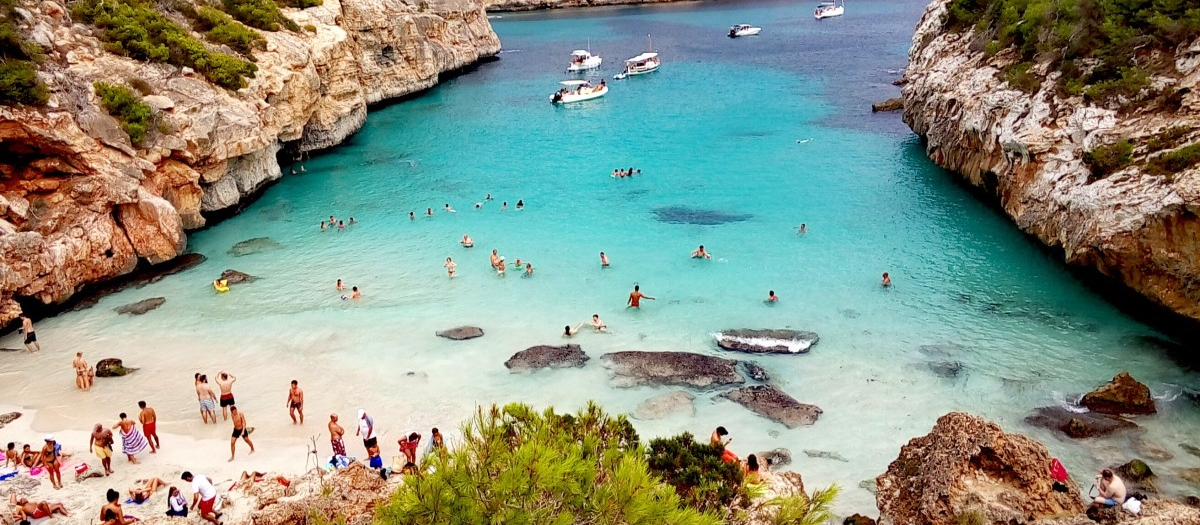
(49, 460)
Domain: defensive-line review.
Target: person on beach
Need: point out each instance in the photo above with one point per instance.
(31, 342)
(753, 470)
(354, 293)
(101, 443)
(366, 429)
(528, 270)
(132, 440)
(146, 488)
(23, 509)
(597, 324)
(81, 372)
(466, 241)
(771, 297)
(450, 266)
(50, 461)
(374, 459)
(699, 253)
(225, 383)
(335, 436)
(340, 286)
(295, 402)
(1112, 489)
(149, 420)
(204, 495)
(112, 513)
(207, 398)
(635, 298)
(28, 456)
(718, 439)
(10, 456)
(603, 260)
(177, 506)
(887, 281)
(408, 446)
(240, 430)
(570, 332)
(449, 209)
(436, 444)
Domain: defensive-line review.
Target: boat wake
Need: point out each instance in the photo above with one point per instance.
(502, 51)
(803, 141)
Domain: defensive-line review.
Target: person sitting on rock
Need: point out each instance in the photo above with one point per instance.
(1112, 489)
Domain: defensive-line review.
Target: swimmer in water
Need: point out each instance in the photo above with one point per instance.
(341, 225)
(352, 221)
(449, 209)
(603, 260)
(520, 204)
(429, 212)
(699, 253)
(323, 228)
(412, 215)
(598, 324)
(887, 281)
(488, 197)
(450, 266)
(517, 264)
(528, 270)
(504, 206)
(500, 266)
(639, 171)
(466, 241)
(495, 258)
(569, 332)
(802, 229)
(332, 220)
(635, 298)
(771, 297)
(339, 285)
(354, 293)
(614, 174)
(478, 205)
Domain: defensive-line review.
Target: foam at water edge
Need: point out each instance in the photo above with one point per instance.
(792, 345)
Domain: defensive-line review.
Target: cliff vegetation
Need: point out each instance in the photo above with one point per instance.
(18, 71)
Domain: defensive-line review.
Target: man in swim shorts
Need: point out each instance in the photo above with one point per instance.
(1112, 489)
(335, 436)
(295, 402)
(31, 341)
(603, 260)
(239, 431)
(598, 324)
(101, 443)
(225, 382)
(208, 399)
(636, 297)
(149, 421)
(28, 510)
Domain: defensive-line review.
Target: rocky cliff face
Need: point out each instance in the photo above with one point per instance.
(79, 204)
(1027, 150)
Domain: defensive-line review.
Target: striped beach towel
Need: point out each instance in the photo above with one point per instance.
(134, 442)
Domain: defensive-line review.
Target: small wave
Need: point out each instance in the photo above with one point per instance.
(493, 17)
(803, 141)
(510, 50)
(1169, 395)
(794, 346)
(1068, 404)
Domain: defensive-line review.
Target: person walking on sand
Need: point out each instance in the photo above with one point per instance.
(635, 298)
(295, 402)
(81, 372)
(204, 495)
(603, 260)
(149, 421)
(208, 399)
(225, 382)
(335, 436)
(101, 443)
(366, 429)
(132, 440)
(31, 341)
(50, 461)
(240, 430)
(450, 266)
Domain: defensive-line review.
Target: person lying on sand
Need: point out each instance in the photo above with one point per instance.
(145, 488)
(23, 509)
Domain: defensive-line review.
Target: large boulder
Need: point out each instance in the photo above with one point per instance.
(635, 368)
(462, 333)
(1077, 425)
(665, 405)
(967, 468)
(112, 367)
(141, 307)
(766, 341)
(544, 356)
(236, 277)
(774, 404)
(858, 519)
(1122, 395)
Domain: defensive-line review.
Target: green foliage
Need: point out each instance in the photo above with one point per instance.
(814, 509)
(140, 85)
(19, 84)
(1019, 77)
(260, 14)
(516, 465)
(300, 3)
(134, 29)
(1169, 138)
(696, 471)
(221, 28)
(1117, 34)
(1168, 164)
(1109, 158)
(127, 107)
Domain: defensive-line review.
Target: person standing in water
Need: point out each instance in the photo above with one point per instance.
(598, 324)
(802, 229)
(429, 212)
(699, 253)
(240, 430)
(149, 420)
(81, 372)
(354, 293)
(635, 298)
(603, 260)
(323, 227)
(528, 270)
(771, 297)
(412, 215)
(340, 286)
(31, 341)
(295, 402)
(467, 242)
(335, 436)
(207, 398)
(450, 266)
(887, 281)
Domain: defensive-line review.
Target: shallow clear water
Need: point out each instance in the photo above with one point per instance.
(766, 132)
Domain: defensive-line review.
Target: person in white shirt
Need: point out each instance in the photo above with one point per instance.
(204, 494)
(366, 429)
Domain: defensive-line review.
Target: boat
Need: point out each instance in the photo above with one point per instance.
(647, 62)
(743, 30)
(582, 60)
(830, 9)
(578, 91)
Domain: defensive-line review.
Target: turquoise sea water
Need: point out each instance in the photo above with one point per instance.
(757, 135)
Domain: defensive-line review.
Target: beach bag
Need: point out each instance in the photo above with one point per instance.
(1132, 506)
(1058, 471)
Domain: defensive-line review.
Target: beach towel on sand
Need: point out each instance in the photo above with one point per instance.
(133, 443)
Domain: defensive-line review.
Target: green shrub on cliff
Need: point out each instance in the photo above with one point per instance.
(1108, 158)
(221, 28)
(300, 3)
(134, 29)
(696, 471)
(127, 107)
(260, 14)
(1170, 163)
(19, 84)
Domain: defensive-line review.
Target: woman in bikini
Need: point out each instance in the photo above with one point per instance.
(145, 489)
(112, 513)
(49, 460)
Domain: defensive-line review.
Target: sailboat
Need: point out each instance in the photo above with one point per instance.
(830, 9)
(644, 63)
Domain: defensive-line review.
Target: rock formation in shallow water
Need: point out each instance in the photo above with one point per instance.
(1076, 424)
(80, 204)
(545, 356)
(1122, 395)
(1026, 151)
(774, 404)
(755, 341)
(635, 368)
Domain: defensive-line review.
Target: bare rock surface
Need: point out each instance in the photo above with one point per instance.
(545, 356)
(1122, 395)
(637, 368)
(774, 404)
(462, 333)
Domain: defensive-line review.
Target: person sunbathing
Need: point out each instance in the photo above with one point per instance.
(146, 488)
(24, 509)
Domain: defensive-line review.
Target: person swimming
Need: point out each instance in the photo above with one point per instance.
(488, 197)
(504, 206)
(528, 270)
(449, 209)
(354, 293)
(771, 297)
(887, 281)
(518, 263)
(429, 212)
(466, 241)
(598, 324)
(450, 266)
(412, 215)
(341, 225)
(352, 221)
(323, 228)
(520, 204)
(803, 228)
(699, 253)
(603, 260)
(339, 285)
(570, 332)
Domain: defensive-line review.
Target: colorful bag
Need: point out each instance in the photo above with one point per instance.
(1058, 471)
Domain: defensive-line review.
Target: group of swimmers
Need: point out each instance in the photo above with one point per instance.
(621, 173)
(338, 223)
(412, 215)
(341, 287)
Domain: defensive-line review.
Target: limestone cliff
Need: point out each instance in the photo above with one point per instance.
(79, 204)
(1028, 149)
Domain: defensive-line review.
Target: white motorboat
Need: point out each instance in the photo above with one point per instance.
(830, 9)
(743, 30)
(578, 91)
(583, 60)
(640, 65)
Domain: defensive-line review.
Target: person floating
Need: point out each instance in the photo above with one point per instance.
(771, 297)
(221, 285)
(635, 297)
(569, 332)
(449, 209)
(466, 241)
(887, 281)
(699, 253)
(450, 266)
(1112, 489)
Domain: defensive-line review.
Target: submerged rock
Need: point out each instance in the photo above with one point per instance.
(776, 457)
(255, 245)
(141, 307)
(543, 356)
(821, 454)
(766, 341)
(1122, 395)
(969, 465)
(112, 367)
(236, 277)
(1077, 425)
(686, 215)
(634, 368)
(755, 372)
(1190, 449)
(946, 369)
(891, 104)
(462, 333)
(869, 485)
(666, 405)
(774, 404)
(137, 280)
(1151, 449)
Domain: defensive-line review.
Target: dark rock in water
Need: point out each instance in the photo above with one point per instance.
(849, 313)
(1190, 475)
(543, 356)
(136, 280)
(891, 104)
(1190, 449)
(858, 519)
(236, 277)
(1192, 501)
(112, 367)
(665, 405)
(755, 372)
(869, 485)
(1138, 476)
(10, 349)
(255, 245)
(686, 215)
(946, 369)
(141, 307)
(775, 457)
(8, 418)
(766, 341)
(821, 454)
(461, 333)
(946, 351)
(774, 404)
(1088, 424)
(671, 368)
(1150, 449)
(1122, 395)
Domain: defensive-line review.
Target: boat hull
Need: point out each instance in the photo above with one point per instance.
(748, 32)
(829, 13)
(571, 98)
(591, 63)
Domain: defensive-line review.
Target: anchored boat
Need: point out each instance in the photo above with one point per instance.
(830, 9)
(578, 91)
(644, 63)
(743, 30)
(582, 60)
